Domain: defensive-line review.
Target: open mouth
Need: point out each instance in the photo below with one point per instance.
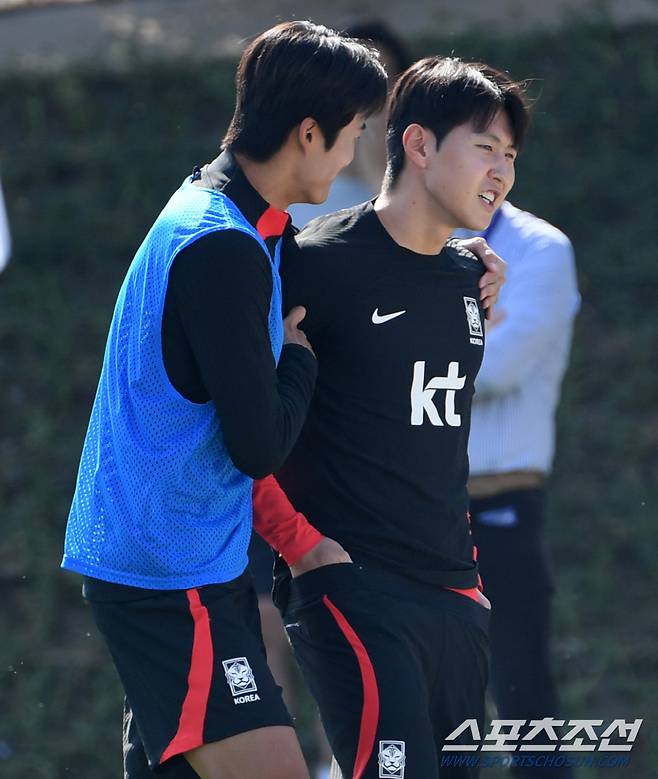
(488, 197)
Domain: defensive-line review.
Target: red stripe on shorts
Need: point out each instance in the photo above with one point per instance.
(370, 710)
(193, 714)
(474, 593)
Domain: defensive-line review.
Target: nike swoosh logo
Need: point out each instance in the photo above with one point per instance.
(379, 319)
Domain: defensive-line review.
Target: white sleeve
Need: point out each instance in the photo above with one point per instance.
(541, 298)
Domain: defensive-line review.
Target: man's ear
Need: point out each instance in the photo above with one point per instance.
(414, 141)
(307, 132)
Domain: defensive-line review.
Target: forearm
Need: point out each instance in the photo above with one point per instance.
(223, 293)
(275, 519)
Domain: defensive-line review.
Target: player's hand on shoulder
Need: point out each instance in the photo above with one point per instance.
(327, 552)
(494, 278)
(291, 332)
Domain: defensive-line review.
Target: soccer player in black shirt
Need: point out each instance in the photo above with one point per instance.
(394, 646)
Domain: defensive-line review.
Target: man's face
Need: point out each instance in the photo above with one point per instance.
(471, 173)
(321, 166)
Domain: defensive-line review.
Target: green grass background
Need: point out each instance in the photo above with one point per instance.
(87, 161)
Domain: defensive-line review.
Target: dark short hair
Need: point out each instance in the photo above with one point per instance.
(380, 35)
(441, 93)
(298, 70)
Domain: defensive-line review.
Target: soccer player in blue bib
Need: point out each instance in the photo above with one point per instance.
(203, 388)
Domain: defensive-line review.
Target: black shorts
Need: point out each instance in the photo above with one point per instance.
(261, 563)
(192, 663)
(394, 665)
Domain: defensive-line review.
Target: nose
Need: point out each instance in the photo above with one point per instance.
(503, 172)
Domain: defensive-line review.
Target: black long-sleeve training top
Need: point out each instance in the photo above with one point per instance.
(381, 464)
(215, 339)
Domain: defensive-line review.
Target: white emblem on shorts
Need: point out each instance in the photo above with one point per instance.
(239, 675)
(391, 760)
(474, 321)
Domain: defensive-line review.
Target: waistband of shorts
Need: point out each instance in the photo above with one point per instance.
(408, 588)
(101, 591)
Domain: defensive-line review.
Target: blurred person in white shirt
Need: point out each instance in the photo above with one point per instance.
(511, 449)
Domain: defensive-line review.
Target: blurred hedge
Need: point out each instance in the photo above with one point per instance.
(87, 161)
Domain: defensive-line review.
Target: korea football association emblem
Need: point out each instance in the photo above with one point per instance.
(474, 320)
(391, 760)
(239, 676)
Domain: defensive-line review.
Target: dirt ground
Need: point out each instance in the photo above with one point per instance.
(56, 33)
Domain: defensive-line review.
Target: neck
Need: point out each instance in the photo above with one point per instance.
(270, 179)
(412, 218)
(369, 164)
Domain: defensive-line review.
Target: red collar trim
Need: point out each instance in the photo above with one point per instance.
(272, 222)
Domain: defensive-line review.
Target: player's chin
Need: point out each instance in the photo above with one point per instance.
(478, 221)
(319, 193)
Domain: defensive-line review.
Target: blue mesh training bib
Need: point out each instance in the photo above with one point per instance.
(158, 501)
